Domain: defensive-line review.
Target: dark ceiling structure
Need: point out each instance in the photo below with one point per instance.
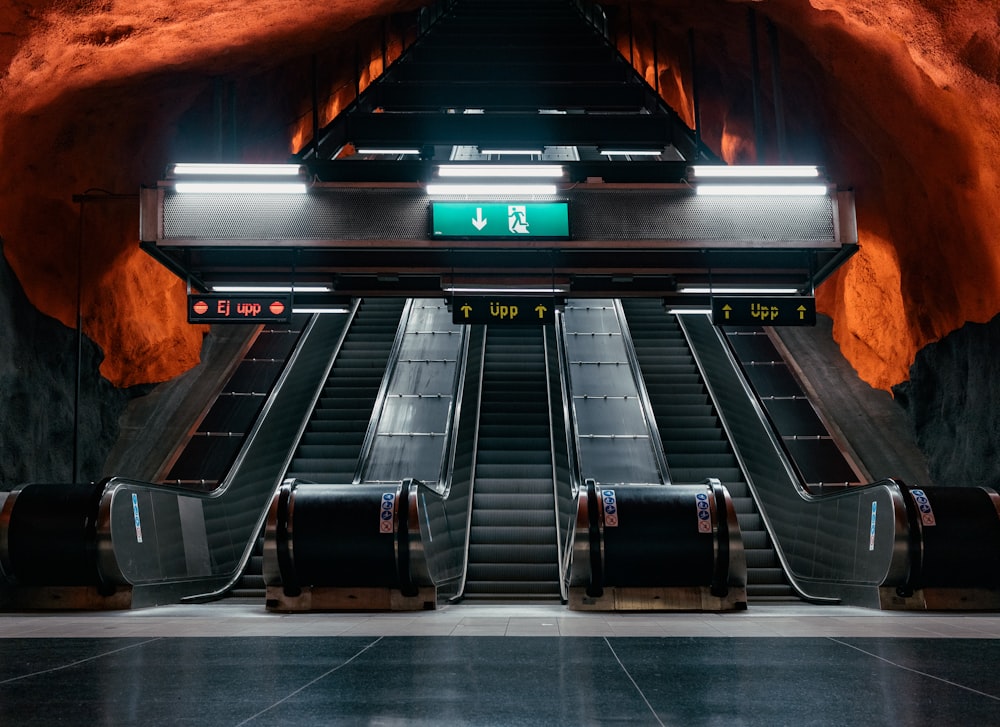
(489, 94)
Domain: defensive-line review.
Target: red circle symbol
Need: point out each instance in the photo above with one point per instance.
(201, 307)
(277, 308)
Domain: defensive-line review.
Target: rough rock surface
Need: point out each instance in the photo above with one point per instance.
(951, 399)
(899, 99)
(37, 396)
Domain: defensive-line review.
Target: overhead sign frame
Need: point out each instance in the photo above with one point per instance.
(214, 308)
(764, 310)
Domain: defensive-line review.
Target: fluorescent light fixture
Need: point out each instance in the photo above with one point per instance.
(690, 311)
(237, 170)
(240, 188)
(365, 150)
(735, 290)
(776, 171)
(321, 311)
(271, 288)
(511, 151)
(488, 189)
(499, 290)
(761, 190)
(632, 152)
(500, 170)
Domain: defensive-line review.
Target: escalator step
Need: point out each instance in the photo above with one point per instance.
(513, 572)
(513, 471)
(513, 501)
(519, 535)
(519, 553)
(489, 485)
(512, 518)
(697, 474)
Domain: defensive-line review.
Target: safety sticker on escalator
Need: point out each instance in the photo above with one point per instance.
(385, 515)
(871, 537)
(135, 513)
(924, 505)
(610, 508)
(704, 513)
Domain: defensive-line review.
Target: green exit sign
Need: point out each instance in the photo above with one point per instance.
(506, 221)
(753, 310)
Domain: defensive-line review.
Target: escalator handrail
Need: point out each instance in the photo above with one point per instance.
(251, 440)
(446, 479)
(646, 405)
(572, 448)
(472, 472)
(561, 552)
(895, 488)
(383, 392)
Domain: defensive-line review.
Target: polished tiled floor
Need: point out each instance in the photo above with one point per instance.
(235, 664)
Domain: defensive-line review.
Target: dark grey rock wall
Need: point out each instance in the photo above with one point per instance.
(38, 357)
(953, 400)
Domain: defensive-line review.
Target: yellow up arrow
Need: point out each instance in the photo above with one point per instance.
(466, 309)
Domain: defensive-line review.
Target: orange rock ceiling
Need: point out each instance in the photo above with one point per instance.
(899, 99)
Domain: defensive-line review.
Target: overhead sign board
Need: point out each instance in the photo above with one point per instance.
(754, 310)
(507, 220)
(532, 311)
(239, 308)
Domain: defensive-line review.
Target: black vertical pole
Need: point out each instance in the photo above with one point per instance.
(233, 150)
(779, 100)
(631, 39)
(217, 112)
(694, 94)
(656, 63)
(755, 82)
(315, 105)
(79, 347)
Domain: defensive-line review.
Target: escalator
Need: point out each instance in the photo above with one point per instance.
(331, 445)
(694, 441)
(512, 541)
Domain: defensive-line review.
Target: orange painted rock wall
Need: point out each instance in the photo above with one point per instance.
(899, 99)
(96, 98)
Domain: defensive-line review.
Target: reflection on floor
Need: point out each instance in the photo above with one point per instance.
(235, 664)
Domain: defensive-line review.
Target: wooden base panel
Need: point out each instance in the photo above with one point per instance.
(67, 598)
(321, 598)
(657, 599)
(941, 599)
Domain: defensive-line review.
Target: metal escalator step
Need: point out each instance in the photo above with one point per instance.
(514, 590)
(742, 504)
(697, 474)
(513, 471)
(335, 446)
(520, 553)
(755, 539)
(710, 448)
(519, 535)
(739, 488)
(683, 421)
(513, 454)
(750, 521)
(520, 572)
(761, 558)
(771, 592)
(703, 460)
(766, 576)
(533, 485)
(513, 501)
(512, 518)
(696, 431)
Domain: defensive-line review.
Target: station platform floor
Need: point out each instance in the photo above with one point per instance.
(234, 663)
